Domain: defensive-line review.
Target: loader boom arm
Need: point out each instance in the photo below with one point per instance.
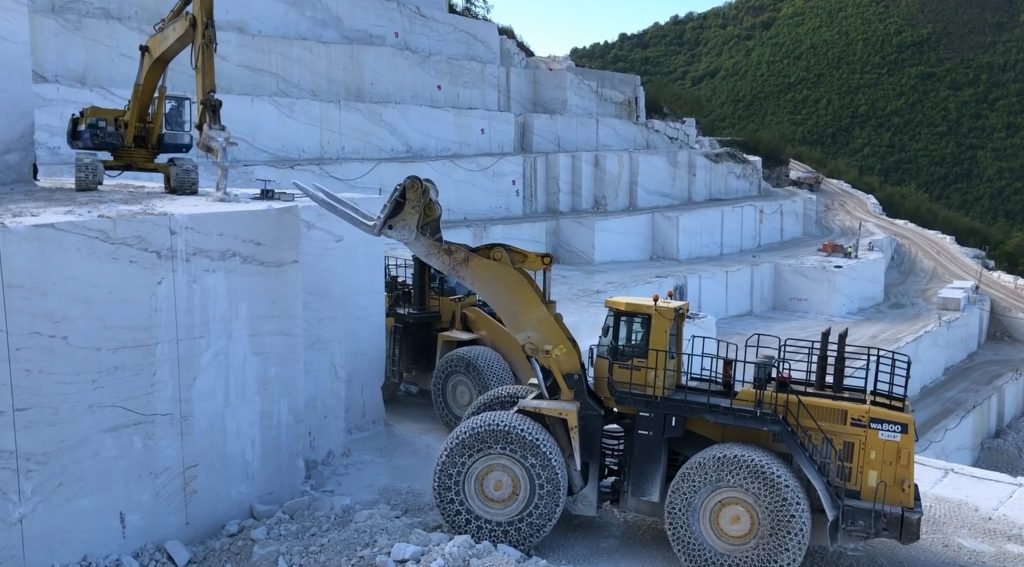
(500, 273)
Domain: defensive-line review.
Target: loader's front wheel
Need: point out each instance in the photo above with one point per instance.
(501, 477)
(504, 398)
(735, 504)
(462, 375)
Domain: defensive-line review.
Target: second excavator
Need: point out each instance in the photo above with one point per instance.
(155, 122)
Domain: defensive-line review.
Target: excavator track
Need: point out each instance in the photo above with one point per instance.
(182, 177)
(88, 171)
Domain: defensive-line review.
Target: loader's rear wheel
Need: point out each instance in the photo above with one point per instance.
(735, 505)
(88, 171)
(464, 374)
(501, 477)
(504, 398)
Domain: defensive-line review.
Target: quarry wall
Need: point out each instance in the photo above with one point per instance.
(16, 157)
(158, 374)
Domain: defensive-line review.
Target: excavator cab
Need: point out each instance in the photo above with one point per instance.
(176, 136)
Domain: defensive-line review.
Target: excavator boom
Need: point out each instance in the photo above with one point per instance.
(498, 272)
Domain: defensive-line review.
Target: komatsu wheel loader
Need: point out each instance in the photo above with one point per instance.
(154, 122)
(443, 338)
(747, 452)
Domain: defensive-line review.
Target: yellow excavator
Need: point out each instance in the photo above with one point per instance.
(154, 122)
(748, 453)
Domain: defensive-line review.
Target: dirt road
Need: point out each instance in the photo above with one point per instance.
(1007, 302)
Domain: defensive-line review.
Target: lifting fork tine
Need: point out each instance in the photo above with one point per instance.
(340, 207)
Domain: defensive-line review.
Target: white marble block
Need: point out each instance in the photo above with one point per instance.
(662, 178)
(267, 66)
(830, 286)
(592, 240)
(407, 25)
(343, 350)
(169, 370)
(298, 129)
(537, 236)
(16, 151)
(93, 329)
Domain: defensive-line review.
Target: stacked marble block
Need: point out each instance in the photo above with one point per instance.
(16, 134)
(160, 373)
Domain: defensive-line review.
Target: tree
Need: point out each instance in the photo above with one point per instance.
(476, 9)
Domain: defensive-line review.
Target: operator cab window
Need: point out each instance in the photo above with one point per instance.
(177, 114)
(624, 337)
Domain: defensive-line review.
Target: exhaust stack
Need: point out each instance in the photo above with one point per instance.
(839, 372)
(822, 369)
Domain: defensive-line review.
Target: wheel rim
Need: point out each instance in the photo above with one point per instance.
(497, 487)
(460, 392)
(730, 519)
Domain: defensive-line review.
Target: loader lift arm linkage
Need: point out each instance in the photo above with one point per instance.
(501, 273)
(137, 134)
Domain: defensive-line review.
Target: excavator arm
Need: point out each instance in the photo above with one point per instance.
(498, 272)
(176, 31)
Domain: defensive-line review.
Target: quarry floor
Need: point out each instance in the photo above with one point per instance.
(375, 500)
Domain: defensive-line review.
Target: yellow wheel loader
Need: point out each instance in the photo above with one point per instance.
(747, 452)
(154, 122)
(443, 338)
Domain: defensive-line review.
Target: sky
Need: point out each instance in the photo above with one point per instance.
(553, 27)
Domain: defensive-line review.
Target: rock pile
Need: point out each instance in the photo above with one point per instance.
(1005, 452)
(320, 530)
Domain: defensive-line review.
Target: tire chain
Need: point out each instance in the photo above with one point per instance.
(524, 440)
(786, 522)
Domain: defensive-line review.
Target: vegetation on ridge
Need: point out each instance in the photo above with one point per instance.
(915, 101)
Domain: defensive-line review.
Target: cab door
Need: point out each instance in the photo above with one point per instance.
(627, 353)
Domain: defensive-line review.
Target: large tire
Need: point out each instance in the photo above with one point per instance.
(735, 504)
(504, 398)
(501, 477)
(462, 375)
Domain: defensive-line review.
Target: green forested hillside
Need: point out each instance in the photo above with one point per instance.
(918, 101)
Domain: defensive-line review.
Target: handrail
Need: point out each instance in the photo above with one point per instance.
(710, 375)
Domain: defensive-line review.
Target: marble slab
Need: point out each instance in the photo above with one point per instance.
(11, 552)
(239, 303)
(92, 323)
(538, 236)
(256, 65)
(411, 25)
(296, 129)
(344, 339)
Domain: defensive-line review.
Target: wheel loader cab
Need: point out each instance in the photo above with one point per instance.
(639, 345)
